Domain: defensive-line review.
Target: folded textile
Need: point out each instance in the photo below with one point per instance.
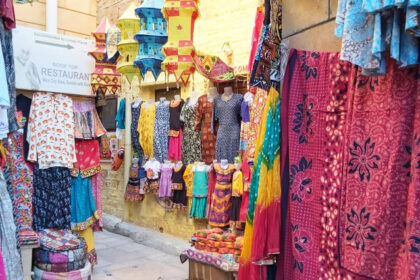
(61, 267)
(81, 274)
(47, 257)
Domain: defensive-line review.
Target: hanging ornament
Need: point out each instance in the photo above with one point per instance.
(129, 25)
(179, 50)
(105, 77)
(213, 68)
(153, 34)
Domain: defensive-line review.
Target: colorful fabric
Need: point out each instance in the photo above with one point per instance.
(212, 259)
(9, 251)
(203, 122)
(175, 109)
(368, 31)
(135, 117)
(7, 48)
(96, 184)
(191, 142)
(165, 184)
(60, 240)
(245, 126)
(188, 178)
(132, 191)
(175, 145)
(261, 68)
(211, 185)
(247, 269)
(83, 209)
(87, 124)
(227, 114)
(178, 185)
(151, 186)
(120, 117)
(23, 104)
(7, 13)
(88, 158)
(51, 131)
(152, 168)
(219, 213)
(46, 256)
(51, 199)
(237, 183)
(4, 98)
(381, 176)
(256, 31)
(87, 234)
(213, 68)
(313, 128)
(81, 274)
(21, 183)
(200, 192)
(146, 128)
(256, 110)
(61, 267)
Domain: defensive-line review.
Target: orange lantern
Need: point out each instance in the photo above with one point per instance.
(105, 76)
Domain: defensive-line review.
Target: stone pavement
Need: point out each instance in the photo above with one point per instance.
(120, 258)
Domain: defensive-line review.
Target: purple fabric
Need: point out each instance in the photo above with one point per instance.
(2, 271)
(165, 184)
(245, 111)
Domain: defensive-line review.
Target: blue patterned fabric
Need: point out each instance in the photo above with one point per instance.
(161, 131)
(7, 49)
(369, 28)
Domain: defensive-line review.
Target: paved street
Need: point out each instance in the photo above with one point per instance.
(120, 258)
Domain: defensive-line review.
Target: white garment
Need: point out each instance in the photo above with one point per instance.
(4, 99)
(152, 168)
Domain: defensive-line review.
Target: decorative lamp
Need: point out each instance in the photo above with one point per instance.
(179, 50)
(213, 68)
(153, 34)
(129, 25)
(105, 77)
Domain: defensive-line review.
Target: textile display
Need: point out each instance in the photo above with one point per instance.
(219, 214)
(203, 123)
(23, 104)
(83, 209)
(51, 131)
(21, 186)
(132, 191)
(87, 124)
(165, 184)
(128, 48)
(178, 186)
(146, 128)
(61, 267)
(264, 195)
(227, 114)
(161, 131)
(4, 98)
(213, 68)
(175, 129)
(369, 29)
(215, 260)
(60, 240)
(96, 184)
(7, 49)
(179, 50)
(313, 128)
(88, 158)
(211, 185)
(199, 192)
(120, 117)
(81, 274)
(135, 137)
(87, 234)
(256, 31)
(51, 199)
(105, 76)
(9, 251)
(381, 176)
(191, 140)
(7, 13)
(175, 146)
(151, 37)
(47, 256)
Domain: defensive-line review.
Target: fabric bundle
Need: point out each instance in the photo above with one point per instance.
(60, 252)
(86, 121)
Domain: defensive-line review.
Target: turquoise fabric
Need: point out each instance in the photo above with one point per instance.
(200, 192)
(120, 117)
(83, 206)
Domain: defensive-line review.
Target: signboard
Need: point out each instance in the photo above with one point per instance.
(52, 62)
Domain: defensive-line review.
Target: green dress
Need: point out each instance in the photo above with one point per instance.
(200, 191)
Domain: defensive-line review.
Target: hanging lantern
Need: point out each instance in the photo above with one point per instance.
(128, 47)
(105, 77)
(179, 51)
(153, 34)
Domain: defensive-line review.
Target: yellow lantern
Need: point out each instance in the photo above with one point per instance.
(129, 25)
(179, 50)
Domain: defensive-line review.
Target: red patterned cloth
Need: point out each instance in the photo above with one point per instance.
(88, 158)
(380, 214)
(314, 99)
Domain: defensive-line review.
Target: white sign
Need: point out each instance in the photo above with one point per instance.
(52, 62)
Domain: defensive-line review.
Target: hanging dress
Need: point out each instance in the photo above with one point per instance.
(219, 213)
(203, 121)
(191, 140)
(83, 209)
(178, 186)
(200, 192)
(135, 138)
(175, 129)
(161, 131)
(228, 115)
(146, 127)
(165, 184)
(132, 191)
